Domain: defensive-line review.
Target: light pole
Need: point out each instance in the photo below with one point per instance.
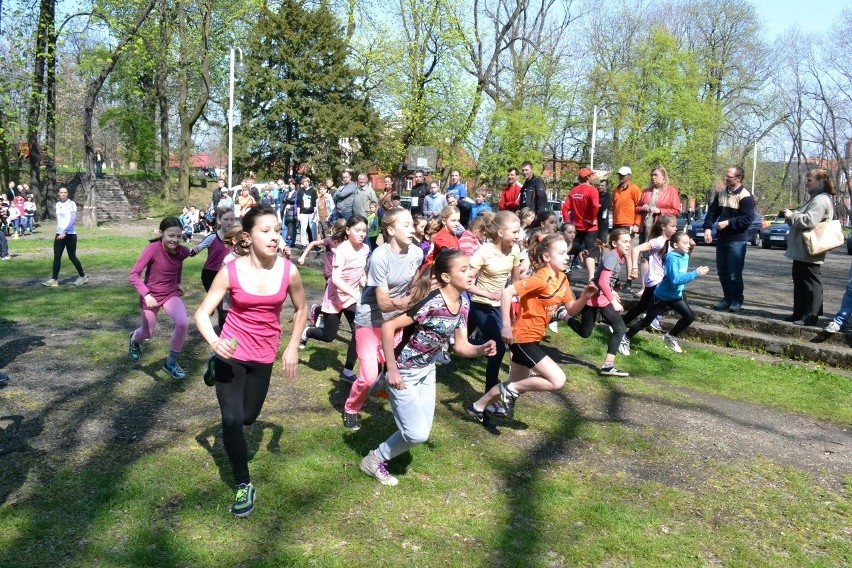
(594, 134)
(231, 116)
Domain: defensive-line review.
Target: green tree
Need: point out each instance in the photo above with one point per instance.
(299, 96)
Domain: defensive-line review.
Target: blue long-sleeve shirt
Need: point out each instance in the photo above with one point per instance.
(677, 275)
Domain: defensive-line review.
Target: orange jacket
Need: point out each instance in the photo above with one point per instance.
(624, 204)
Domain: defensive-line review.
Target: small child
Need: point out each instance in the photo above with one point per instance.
(162, 261)
(373, 230)
(669, 292)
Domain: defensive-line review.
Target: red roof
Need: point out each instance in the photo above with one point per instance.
(195, 161)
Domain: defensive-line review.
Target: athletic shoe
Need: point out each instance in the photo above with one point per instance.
(134, 349)
(304, 342)
(347, 378)
(443, 358)
(612, 372)
(81, 280)
(495, 409)
(52, 283)
(553, 327)
(244, 501)
(561, 314)
(210, 373)
(671, 341)
(313, 314)
(507, 400)
(474, 414)
(174, 370)
(832, 327)
(736, 307)
(351, 421)
(7, 257)
(656, 325)
(624, 348)
(374, 467)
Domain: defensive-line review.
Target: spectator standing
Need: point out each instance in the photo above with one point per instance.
(807, 286)
(290, 204)
(510, 197)
(581, 208)
(364, 195)
(456, 187)
(307, 206)
(225, 200)
(323, 213)
(626, 198)
(217, 193)
(479, 204)
(533, 194)
(386, 198)
(344, 197)
(29, 213)
(434, 202)
(244, 200)
(418, 193)
(605, 200)
(656, 199)
(732, 211)
(65, 239)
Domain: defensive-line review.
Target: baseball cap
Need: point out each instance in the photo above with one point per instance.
(585, 172)
(624, 171)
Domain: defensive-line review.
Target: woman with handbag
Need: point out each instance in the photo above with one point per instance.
(807, 286)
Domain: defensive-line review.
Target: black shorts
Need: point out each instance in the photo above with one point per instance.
(527, 354)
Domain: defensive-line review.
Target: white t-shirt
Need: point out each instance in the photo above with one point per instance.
(66, 217)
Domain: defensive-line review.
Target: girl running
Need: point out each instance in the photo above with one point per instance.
(493, 265)
(259, 280)
(669, 292)
(433, 318)
(217, 250)
(343, 289)
(543, 295)
(390, 272)
(607, 302)
(162, 261)
(657, 247)
(445, 238)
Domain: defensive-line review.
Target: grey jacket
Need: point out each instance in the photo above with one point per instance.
(817, 209)
(363, 197)
(344, 197)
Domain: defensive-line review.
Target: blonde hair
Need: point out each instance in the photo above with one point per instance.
(502, 220)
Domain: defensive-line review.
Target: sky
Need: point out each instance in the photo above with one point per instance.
(809, 15)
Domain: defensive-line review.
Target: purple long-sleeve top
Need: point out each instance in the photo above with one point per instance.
(162, 272)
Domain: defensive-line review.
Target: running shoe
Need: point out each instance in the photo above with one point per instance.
(832, 327)
(52, 283)
(174, 370)
(351, 421)
(374, 467)
(210, 373)
(624, 348)
(304, 341)
(474, 414)
(553, 327)
(611, 371)
(495, 409)
(313, 314)
(656, 325)
(244, 500)
(672, 343)
(348, 378)
(134, 349)
(81, 280)
(507, 400)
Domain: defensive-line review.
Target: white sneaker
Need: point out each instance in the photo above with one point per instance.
(655, 325)
(52, 283)
(371, 465)
(81, 280)
(671, 341)
(553, 327)
(832, 327)
(624, 348)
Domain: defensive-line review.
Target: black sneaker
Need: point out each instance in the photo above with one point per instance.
(210, 373)
(134, 349)
(244, 500)
(474, 414)
(507, 400)
(351, 421)
(349, 379)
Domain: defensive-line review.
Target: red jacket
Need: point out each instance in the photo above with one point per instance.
(510, 199)
(583, 203)
(668, 202)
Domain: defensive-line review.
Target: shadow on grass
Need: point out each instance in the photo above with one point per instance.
(211, 440)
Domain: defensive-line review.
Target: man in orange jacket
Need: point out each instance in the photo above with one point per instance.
(625, 200)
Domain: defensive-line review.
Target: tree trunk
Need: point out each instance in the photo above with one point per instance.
(50, 112)
(45, 22)
(90, 218)
(163, 101)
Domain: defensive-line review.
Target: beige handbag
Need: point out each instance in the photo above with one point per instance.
(824, 237)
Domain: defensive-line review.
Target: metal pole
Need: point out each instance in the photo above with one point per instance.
(594, 134)
(754, 169)
(231, 123)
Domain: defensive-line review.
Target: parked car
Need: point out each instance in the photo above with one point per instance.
(556, 207)
(696, 231)
(849, 243)
(775, 235)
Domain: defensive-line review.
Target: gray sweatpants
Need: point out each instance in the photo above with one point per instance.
(413, 410)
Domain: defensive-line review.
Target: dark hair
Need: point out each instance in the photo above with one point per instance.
(255, 211)
(657, 231)
(541, 217)
(425, 279)
(221, 212)
(525, 164)
(827, 183)
(510, 170)
(339, 233)
(166, 224)
(540, 245)
(616, 234)
(676, 237)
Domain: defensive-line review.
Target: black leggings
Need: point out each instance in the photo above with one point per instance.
(207, 277)
(658, 307)
(241, 389)
(328, 333)
(68, 243)
(641, 306)
(584, 327)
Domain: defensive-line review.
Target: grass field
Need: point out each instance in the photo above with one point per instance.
(105, 463)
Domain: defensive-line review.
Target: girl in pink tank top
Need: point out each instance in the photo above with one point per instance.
(259, 281)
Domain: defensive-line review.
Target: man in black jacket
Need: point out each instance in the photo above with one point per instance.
(418, 192)
(533, 194)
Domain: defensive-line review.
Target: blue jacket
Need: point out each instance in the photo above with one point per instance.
(677, 275)
(475, 209)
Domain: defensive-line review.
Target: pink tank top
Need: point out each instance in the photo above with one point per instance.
(254, 320)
